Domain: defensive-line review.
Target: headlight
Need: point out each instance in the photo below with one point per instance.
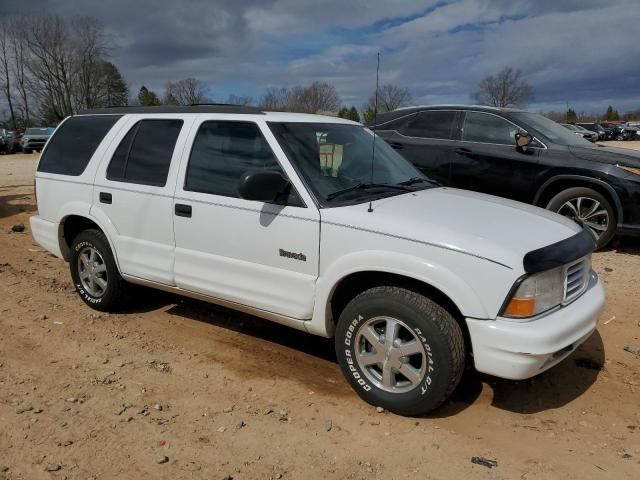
(537, 294)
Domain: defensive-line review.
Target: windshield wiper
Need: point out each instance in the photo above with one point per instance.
(414, 180)
(365, 186)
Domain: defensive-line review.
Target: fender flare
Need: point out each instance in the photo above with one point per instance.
(582, 178)
(83, 210)
(409, 266)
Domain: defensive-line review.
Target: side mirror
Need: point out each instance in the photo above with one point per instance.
(523, 139)
(264, 186)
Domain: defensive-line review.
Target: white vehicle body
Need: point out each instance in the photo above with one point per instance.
(468, 247)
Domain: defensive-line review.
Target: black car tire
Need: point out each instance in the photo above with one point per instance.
(115, 296)
(572, 194)
(433, 328)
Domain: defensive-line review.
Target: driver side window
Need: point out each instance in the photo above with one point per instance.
(487, 128)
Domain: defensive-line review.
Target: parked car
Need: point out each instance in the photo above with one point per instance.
(597, 128)
(580, 131)
(475, 148)
(623, 132)
(35, 138)
(226, 204)
(9, 142)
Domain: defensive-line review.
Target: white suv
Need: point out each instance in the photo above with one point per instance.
(307, 221)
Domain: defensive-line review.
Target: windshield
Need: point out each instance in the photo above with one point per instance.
(335, 160)
(551, 130)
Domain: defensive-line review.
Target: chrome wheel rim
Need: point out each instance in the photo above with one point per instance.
(92, 271)
(588, 212)
(390, 354)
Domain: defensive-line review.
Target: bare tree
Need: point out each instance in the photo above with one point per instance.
(5, 69)
(506, 88)
(275, 99)
(185, 92)
(240, 100)
(390, 97)
(19, 70)
(317, 97)
(89, 48)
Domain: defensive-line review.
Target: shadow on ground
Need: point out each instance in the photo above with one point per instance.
(13, 204)
(550, 390)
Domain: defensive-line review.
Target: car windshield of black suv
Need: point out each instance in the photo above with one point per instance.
(550, 129)
(337, 161)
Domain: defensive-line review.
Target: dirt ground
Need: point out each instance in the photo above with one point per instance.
(181, 389)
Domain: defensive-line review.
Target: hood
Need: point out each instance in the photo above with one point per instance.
(610, 155)
(494, 228)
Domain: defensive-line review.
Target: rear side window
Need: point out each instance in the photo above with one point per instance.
(224, 151)
(74, 143)
(144, 154)
(438, 124)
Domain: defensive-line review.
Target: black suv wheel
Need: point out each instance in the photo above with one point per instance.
(399, 350)
(589, 209)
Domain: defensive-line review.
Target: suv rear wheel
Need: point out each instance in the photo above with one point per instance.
(400, 350)
(95, 273)
(589, 209)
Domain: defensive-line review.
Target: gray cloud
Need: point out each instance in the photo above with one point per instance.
(582, 51)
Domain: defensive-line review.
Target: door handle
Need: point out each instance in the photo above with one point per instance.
(182, 210)
(106, 198)
(396, 145)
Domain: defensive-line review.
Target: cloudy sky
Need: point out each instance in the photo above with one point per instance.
(586, 52)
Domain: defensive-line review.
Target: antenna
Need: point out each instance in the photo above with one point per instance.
(375, 126)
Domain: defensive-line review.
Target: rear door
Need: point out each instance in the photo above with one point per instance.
(427, 140)
(252, 253)
(134, 193)
(487, 160)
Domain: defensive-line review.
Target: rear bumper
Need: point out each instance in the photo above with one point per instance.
(516, 350)
(45, 233)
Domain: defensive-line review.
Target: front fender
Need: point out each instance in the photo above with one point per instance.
(433, 273)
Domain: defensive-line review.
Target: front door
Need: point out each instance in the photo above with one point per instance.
(253, 253)
(487, 160)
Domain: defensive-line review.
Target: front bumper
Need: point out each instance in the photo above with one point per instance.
(517, 350)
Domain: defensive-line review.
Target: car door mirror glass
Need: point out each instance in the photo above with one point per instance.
(264, 186)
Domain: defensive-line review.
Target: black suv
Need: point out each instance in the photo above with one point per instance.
(523, 156)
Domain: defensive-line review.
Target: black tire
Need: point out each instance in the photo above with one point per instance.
(437, 331)
(572, 194)
(114, 297)
(26, 150)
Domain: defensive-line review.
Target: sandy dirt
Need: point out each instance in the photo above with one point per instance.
(181, 389)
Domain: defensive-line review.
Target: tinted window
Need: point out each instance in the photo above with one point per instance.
(144, 154)
(486, 128)
(396, 124)
(224, 151)
(432, 124)
(74, 143)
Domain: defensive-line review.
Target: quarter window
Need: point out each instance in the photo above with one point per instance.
(222, 153)
(144, 154)
(438, 124)
(74, 143)
(486, 128)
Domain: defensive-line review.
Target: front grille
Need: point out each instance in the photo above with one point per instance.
(576, 278)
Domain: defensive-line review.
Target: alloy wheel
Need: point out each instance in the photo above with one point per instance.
(588, 212)
(92, 271)
(390, 354)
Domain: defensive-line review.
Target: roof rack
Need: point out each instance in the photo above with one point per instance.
(195, 108)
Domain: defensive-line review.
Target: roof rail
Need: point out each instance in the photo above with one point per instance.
(195, 108)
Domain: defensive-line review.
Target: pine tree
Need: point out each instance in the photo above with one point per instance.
(353, 114)
(147, 98)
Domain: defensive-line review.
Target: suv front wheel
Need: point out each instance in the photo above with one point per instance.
(589, 209)
(95, 273)
(400, 350)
